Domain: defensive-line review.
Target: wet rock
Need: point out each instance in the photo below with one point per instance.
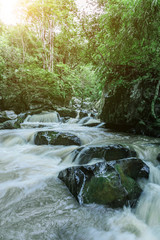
(107, 183)
(83, 114)
(128, 109)
(15, 123)
(110, 152)
(7, 115)
(10, 124)
(56, 138)
(66, 112)
(21, 117)
(158, 157)
(3, 118)
(134, 168)
(91, 124)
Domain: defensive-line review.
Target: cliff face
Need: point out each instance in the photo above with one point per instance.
(135, 108)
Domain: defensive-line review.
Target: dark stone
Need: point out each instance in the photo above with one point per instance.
(128, 109)
(107, 183)
(83, 114)
(10, 124)
(21, 117)
(7, 115)
(15, 123)
(3, 119)
(56, 138)
(158, 157)
(134, 168)
(66, 112)
(91, 124)
(110, 152)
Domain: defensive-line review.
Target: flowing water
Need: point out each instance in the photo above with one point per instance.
(35, 204)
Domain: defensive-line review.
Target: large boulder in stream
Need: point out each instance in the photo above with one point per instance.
(133, 108)
(84, 155)
(112, 183)
(56, 138)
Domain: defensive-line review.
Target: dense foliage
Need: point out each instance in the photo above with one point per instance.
(42, 61)
(59, 52)
(126, 39)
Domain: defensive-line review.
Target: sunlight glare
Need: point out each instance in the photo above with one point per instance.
(8, 11)
(86, 6)
(81, 3)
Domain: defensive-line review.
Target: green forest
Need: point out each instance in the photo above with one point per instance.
(57, 51)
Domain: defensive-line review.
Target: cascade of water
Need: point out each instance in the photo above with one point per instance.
(48, 117)
(148, 207)
(147, 152)
(34, 204)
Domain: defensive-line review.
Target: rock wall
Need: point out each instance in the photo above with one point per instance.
(135, 108)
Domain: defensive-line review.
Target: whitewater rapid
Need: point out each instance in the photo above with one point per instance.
(36, 205)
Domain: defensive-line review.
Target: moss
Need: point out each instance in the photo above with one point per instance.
(104, 190)
(129, 183)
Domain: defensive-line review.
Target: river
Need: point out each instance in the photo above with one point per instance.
(36, 205)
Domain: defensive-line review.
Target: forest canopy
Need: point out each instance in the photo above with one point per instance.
(58, 51)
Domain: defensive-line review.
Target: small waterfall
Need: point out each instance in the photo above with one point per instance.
(148, 208)
(154, 176)
(84, 120)
(147, 152)
(48, 117)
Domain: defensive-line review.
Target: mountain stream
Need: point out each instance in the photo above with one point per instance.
(36, 205)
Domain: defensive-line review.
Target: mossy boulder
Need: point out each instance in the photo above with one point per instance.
(108, 183)
(108, 152)
(56, 138)
(105, 189)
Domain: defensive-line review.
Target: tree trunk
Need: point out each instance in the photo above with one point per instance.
(154, 100)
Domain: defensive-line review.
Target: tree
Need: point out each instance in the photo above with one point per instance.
(124, 39)
(47, 18)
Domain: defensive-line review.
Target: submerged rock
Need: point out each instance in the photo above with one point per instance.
(111, 183)
(109, 152)
(56, 138)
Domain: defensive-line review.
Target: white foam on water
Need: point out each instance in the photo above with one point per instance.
(35, 204)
